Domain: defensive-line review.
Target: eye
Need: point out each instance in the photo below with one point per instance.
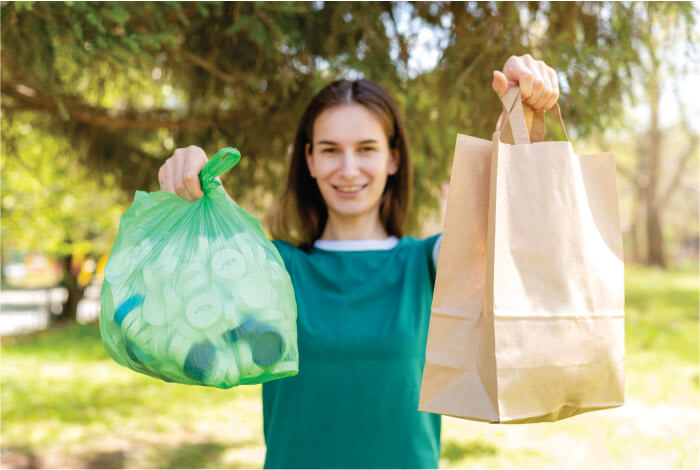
(367, 149)
(328, 150)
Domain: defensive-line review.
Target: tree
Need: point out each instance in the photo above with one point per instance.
(126, 82)
(51, 204)
(123, 83)
(662, 154)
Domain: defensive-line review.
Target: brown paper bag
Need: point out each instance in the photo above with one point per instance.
(527, 319)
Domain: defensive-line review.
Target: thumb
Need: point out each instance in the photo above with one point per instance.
(500, 83)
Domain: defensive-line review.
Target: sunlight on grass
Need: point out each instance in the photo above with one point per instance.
(64, 397)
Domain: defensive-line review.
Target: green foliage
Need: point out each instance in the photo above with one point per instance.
(50, 202)
(127, 82)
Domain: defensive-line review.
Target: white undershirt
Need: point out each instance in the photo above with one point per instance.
(369, 245)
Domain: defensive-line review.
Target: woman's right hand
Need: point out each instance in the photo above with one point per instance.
(180, 173)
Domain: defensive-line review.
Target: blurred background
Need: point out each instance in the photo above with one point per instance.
(95, 96)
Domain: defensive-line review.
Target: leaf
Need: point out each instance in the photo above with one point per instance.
(240, 24)
(77, 30)
(202, 9)
(93, 20)
(118, 14)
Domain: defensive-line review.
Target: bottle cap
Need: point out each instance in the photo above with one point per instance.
(136, 329)
(118, 268)
(173, 303)
(232, 316)
(247, 328)
(153, 310)
(203, 310)
(159, 271)
(215, 374)
(136, 353)
(144, 249)
(204, 245)
(193, 280)
(228, 264)
(250, 248)
(158, 343)
(228, 359)
(127, 307)
(268, 346)
(180, 345)
(244, 358)
(251, 293)
(198, 359)
(285, 366)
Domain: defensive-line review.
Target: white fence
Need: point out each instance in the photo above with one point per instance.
(26, 310)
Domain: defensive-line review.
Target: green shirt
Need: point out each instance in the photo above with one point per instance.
(362, 328)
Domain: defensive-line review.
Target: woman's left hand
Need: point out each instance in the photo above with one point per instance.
(539, 85)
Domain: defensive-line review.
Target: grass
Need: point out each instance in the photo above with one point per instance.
(65, 403)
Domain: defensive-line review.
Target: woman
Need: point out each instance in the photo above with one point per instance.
(363, 290)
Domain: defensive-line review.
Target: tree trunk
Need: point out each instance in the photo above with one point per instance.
(69, 312)
(634, 249)
(655, 239)
(655, 246)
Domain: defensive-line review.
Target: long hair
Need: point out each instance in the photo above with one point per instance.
(301, 213)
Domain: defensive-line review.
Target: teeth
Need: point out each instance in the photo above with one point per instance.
(350, 189)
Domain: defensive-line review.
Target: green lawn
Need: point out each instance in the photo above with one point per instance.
(65, 403)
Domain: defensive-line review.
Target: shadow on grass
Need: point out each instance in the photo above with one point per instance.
(199, 455)
(115, 459)
(456, 451)
(182, 455)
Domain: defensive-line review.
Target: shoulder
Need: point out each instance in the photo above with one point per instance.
(283, 245)
(287, 251)
(424, 252)
(427, 247)
(424, 244)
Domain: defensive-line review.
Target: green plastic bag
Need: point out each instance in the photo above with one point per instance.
(195, 293)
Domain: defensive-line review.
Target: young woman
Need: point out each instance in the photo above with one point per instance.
(363, 290)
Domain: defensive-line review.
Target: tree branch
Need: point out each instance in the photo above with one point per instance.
(206, 65)
(28, 99)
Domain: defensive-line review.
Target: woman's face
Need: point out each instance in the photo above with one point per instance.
(351, 159)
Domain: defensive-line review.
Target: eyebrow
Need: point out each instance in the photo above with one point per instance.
(330, 142)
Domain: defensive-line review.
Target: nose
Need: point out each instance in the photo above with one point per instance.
(349, 167)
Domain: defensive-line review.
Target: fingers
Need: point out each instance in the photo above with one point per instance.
(190, 175)
(500, 83)
(554, 80)
(179, 181)
(170, 177)
(180, 173)
(539, 85)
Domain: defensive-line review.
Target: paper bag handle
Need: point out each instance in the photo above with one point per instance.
(538, 127)
(513, 112)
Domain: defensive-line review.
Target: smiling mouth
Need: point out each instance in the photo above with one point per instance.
(350, 189)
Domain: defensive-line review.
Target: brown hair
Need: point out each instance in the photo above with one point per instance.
(302, 214)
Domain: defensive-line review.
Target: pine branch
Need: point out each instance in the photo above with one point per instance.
(26, 98)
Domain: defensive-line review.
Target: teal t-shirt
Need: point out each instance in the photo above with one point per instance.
(362, 328)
